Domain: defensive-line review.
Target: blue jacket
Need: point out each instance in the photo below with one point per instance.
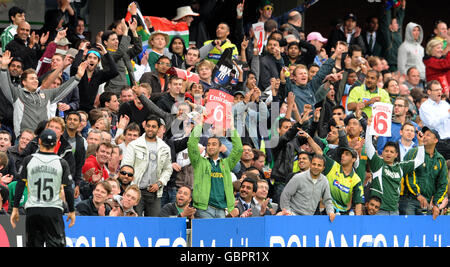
(306, 94)
(395, 136)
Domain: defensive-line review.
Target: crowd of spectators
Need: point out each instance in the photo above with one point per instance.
(139, 140)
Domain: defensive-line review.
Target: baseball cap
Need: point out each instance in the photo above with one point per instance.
(349, 117)
(72, 52)
(436, 134)
(316, 36)
(63, 42)
(238, 92)
(48, 137)
(350, 16)
(349, 149)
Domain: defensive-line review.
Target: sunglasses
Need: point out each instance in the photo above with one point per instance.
(129, 174)
(268, 8)
(164, 64)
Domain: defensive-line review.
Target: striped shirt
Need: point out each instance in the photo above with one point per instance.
(8, 35)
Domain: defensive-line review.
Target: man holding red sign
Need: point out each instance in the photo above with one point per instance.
(218, 106)
(387, 173)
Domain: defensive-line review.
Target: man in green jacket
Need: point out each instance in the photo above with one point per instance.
(213, 189)
(387, 173)
(425, 187)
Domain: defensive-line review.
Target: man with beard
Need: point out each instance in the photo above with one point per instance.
(89, 83)
(151, 159)
(246, 160)
(245, 204)
(302, 194)
(77, 142)
(15, 70)
(345, 184)
(126, 175)
(180, 208)
(366, 95)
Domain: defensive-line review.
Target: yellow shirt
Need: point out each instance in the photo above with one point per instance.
(361, 94)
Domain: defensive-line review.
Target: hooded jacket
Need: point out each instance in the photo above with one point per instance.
(30, 108)
(411, 52)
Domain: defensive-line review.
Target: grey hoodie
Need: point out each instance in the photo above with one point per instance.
(30, 108)
(301, 195)
(411, 52)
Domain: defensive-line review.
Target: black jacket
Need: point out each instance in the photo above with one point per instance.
(338, 35)
(136, 115)
(30, 56)
(284, 153)
(6, 116)
(79, 156)
(15, 156)
(87, 208)
(166, 102)
(169, 210)
(153, 79)
(378, 47)
(88, 90)
(269, 68)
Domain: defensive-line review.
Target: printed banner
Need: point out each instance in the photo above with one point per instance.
(318, 231)
(91, 231)
(218, 105)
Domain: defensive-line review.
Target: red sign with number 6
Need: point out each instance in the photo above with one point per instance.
(382, 119)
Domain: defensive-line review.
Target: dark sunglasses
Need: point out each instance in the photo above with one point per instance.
(129, 174)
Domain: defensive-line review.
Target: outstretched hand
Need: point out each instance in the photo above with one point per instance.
(6, 59)
(81, 70)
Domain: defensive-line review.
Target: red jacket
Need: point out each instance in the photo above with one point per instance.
(91, 162)
(437, 68)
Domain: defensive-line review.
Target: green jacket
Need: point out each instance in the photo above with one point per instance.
(429, 179)
(202, 170)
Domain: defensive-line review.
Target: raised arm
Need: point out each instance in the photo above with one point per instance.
(61, 92)
(8, 89)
